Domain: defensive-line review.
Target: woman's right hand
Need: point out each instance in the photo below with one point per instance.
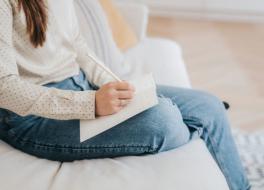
(112, 97)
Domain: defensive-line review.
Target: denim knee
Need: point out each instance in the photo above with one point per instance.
(207, 105)
(209, 111)
(167, 129)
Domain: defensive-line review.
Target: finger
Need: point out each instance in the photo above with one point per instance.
(123, 102)
(118, 108)
(125, 94)
(124, 86)
(120, 102)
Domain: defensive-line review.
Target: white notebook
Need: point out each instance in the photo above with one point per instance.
(145, 98)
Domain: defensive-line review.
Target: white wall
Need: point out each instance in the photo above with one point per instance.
(245, 10)
(249, 6)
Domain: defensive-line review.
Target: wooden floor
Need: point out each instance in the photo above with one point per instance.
(224, 58)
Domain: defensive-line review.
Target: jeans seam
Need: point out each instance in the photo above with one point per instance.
(218, 158)
(78, 148)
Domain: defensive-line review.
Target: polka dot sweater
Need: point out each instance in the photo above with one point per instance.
(24, 69)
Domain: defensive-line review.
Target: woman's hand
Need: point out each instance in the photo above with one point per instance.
(112, 97)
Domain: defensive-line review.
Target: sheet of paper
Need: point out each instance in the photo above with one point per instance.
(145, 98)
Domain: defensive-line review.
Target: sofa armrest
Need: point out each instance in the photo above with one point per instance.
(136, 15)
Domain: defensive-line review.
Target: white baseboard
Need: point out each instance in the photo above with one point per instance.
(209, 15)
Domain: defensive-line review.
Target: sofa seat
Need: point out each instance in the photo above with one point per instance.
(187, 168)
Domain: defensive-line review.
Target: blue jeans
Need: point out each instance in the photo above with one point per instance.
(181, 115)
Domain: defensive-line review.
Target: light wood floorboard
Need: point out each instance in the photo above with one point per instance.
(224, 58)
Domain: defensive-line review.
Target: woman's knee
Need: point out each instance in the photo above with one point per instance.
(207, 108)
(166, 128)
(211, 102)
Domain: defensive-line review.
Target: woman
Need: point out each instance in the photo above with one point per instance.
(49, 80)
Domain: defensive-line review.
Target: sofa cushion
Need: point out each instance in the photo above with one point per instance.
(186, 168)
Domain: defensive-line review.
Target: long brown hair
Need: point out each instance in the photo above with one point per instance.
(36, 19)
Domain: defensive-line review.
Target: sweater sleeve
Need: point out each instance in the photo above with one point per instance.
(25, 98)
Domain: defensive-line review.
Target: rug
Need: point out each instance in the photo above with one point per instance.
(251, 150)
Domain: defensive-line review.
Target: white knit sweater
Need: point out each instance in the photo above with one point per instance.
(24, 69)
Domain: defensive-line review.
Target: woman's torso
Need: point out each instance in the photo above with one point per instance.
(54, 61)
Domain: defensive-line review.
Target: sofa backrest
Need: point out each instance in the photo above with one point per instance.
(96, 30)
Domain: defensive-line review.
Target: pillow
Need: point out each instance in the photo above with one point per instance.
(123, 35)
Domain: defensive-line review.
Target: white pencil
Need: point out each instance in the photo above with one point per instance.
(107, 70)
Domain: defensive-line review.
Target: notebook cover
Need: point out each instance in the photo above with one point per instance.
(145, 98)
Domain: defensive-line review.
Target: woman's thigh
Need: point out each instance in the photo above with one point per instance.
(157, 129)
(197, 107)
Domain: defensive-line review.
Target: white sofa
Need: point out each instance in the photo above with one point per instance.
(187, 168)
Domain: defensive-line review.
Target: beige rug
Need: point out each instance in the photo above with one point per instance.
(251, 149)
